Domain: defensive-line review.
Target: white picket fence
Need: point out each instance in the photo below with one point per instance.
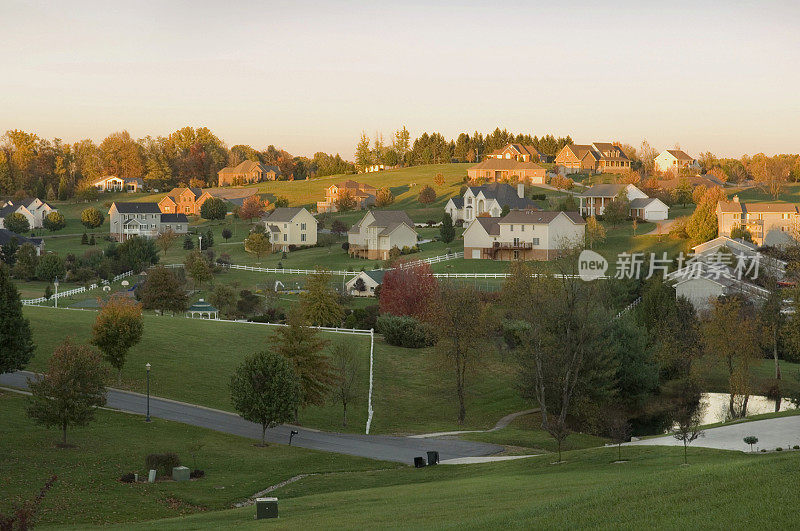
(435, 259)
(74, 291)
(628, 308)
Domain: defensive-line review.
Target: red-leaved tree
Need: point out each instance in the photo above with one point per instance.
(409, 290)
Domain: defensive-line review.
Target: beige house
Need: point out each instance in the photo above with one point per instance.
(370, 281)
(33, 208)
(523, 235)
(112, 183)
(768, 223)
(364, 195)
(598, 157)
(378, 232)
(489, 198)
(143, 219)
(247, 172)
(290, 226)
(594, 201)
(506, 169)
(675, 160)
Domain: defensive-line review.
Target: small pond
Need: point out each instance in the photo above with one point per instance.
(716, 406)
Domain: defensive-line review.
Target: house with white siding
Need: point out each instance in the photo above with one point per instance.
(378, 232)
(594, 200)
(144, 220)
(489, 198)
(293, 226)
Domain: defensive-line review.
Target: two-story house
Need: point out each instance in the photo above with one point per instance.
(598, 157)
(489, 198)
(33, 208)
(143, 219)
(247, 172)
(519, 152)
(363, 195)
(675, 160)
(523, 235)
(290, 226)
(378, 232)
(184, 201)
(507, 169)
(768, 223)
(594, 201)
(112, 183)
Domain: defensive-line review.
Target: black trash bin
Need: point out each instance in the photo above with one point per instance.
(419, 462)
(433, 458)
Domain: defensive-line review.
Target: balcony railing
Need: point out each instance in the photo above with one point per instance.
(513, 245)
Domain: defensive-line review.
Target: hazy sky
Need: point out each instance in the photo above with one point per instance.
(310, 76)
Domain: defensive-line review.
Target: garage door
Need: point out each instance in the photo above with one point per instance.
(476, 254)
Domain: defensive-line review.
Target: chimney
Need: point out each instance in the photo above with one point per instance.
(736, 199)
(521, 190)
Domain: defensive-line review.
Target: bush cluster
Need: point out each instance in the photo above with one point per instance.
(162, 463)
(402, 331)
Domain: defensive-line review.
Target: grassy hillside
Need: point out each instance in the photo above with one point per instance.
(652, 490)
(88, 491)
(193, 360)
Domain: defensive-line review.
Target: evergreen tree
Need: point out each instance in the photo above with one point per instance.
(447, 231)
(208, 240)
(84, 239)
(16, 343)
(188, 243)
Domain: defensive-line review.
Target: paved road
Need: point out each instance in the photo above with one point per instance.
(400, 449)
(771, 433)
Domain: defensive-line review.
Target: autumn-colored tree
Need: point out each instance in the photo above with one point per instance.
(595, 232)
(122, 156)
(345, 202)
(427, 195)
(319, 302)
(772, 174)
(92, 218)
(118, 327)
(409, 290)
(252, 208)
(166, 239)
(16, 222)
(54, 221)
(302, 345)
(702, 225)
(698, 193)
(197, 267)
(439, 179)
(384, 197)
(630, 177)
(562, 182)
(71, 389)
(618, 209)
(257, 243)
(163, 291)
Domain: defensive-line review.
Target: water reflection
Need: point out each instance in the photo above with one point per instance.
(716, 406)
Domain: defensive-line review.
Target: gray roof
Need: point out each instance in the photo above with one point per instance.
(283, 214)
(490, 225)
(273, 228)
(137, 208)
(519, 216)
(458, 202)
(642, 202)
(174, 218)
(6, 236)
(201, 306)
(7, 210)
(505, 195)
(376, 275)
(604, 190)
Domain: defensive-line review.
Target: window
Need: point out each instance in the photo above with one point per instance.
(302, 226)
(512, 228)
(302, 237)
(284, 237)
(522, 228)
(186, 209)
(516, 255)
(536, 241)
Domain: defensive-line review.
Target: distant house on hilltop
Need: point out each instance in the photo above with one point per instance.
(378, 232)
(674, 160)
(598, 157)
(112, 183)
(518, 152)
(184, 201)
(495, 169)
(363, 195)
(488, 198)
(247, 172)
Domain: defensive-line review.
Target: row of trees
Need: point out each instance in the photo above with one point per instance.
(54, 169)
(434, 148)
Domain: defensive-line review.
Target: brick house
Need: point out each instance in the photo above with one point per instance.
(523, 235)
(378, 232)
(363, 194)
(599, 157)
(184, 201)
(143, 219)
(247, 172)
(519, 152)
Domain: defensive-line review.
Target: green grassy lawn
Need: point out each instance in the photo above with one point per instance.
(791, 194)
(651, 490)
(526, 432)
(192, 361)
(88, 490)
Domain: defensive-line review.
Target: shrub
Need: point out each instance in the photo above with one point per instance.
(404, 331)
(346, 246)
(197, 473)
(778, 449)
(763, 449)
(796, 447)
(162, 463)
(130, 477)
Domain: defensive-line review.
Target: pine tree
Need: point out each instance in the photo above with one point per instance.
(84, 239)
(208, 241)
(188, 243)
(16, 343)
(447, 231)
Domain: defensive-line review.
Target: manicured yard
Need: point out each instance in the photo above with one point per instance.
(650, 491)
(192, 361)
(88, 490)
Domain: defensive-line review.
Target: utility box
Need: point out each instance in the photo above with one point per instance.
(266, 508)
(433, 458)
(419, 462)
(180, 473)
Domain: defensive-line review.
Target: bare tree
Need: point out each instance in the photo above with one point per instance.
(345, 363)
(619, 430)
(687, 426)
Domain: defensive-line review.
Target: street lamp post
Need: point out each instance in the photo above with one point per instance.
(201, 242)
(148, 392)
(55, 284)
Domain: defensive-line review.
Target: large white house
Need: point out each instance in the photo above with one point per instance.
(674, 160)
(378, 232)
(112, 183)
(143, 219)
(290, 226)
(33, 208)
(594, 201)
(523, 235)
(490, 198)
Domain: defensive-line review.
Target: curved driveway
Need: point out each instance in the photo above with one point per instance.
(387, 448)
